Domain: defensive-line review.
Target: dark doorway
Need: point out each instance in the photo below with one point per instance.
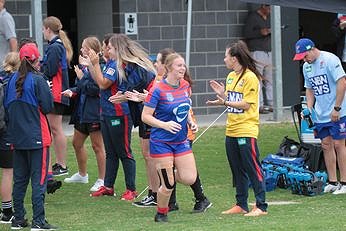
(316, 25)
(66, 11)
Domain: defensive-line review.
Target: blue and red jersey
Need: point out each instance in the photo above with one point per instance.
(27, 122)
(107, 108)
(170, 104)
(55, 68)
(139, 79)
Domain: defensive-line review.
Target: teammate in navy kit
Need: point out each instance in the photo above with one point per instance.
(10, 65)
(28, 100)
(116, 125)
(86, 119)
(166, 109)
(55, 66)
(325, 83)
(137, 70)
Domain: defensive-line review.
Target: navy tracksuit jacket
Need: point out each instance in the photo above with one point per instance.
(29, 132)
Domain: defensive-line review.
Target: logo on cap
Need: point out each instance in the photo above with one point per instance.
(302, 46)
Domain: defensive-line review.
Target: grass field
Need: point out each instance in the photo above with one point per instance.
(71, 207)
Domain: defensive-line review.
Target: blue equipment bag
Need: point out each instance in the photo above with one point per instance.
(288, 172)
(281, 160)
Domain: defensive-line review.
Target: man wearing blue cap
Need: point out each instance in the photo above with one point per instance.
(325, 83)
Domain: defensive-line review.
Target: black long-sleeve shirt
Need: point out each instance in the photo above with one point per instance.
(252, 32)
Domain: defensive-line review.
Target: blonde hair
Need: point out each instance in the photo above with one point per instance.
(170, 59)
(93, 43)
(54, 24)
(130, 51)
(11, 62)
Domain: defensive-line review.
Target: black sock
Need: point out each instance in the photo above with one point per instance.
(150, 192)
(342, 183)
(333, 183)
(7, 207)
(197, 189)
(173, 199)
(154, 194)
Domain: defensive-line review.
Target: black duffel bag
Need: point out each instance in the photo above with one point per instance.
(313, 156)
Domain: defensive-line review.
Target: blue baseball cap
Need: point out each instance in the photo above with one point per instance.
(302, 46)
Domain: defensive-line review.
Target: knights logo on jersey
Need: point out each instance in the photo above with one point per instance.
(181, 111)
(170, 97)
(229, 81)
(110, 71)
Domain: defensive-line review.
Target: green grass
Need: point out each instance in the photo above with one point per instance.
(71, 208)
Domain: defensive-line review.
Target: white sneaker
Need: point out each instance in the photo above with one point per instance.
(341, 190)
(97, 185)
(77, 178)
(329, 188)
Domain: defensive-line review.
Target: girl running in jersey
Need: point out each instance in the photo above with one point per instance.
(166, 109)
(197, 188)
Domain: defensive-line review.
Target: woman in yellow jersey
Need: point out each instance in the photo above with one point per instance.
(241, 97)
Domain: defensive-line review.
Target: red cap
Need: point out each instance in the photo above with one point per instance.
(299, 56)
(342, 17)
(29, 51)
(302, 47)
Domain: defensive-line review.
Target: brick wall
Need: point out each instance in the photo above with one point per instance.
(20, 11)
(162, 23)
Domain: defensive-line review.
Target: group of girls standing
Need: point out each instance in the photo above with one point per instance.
(34, 112)
(118, 87)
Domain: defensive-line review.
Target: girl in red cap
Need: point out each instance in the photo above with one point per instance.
(27, 101)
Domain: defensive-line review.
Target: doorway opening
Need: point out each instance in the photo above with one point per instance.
(66, 11)
(316, 25)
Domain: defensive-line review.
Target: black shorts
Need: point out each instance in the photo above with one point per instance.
(144, 130)
(87, 128)
(59, 109)
(6, 158)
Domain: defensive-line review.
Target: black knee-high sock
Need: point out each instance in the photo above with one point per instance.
(197, 189)
(7, 207)
(173, 199)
